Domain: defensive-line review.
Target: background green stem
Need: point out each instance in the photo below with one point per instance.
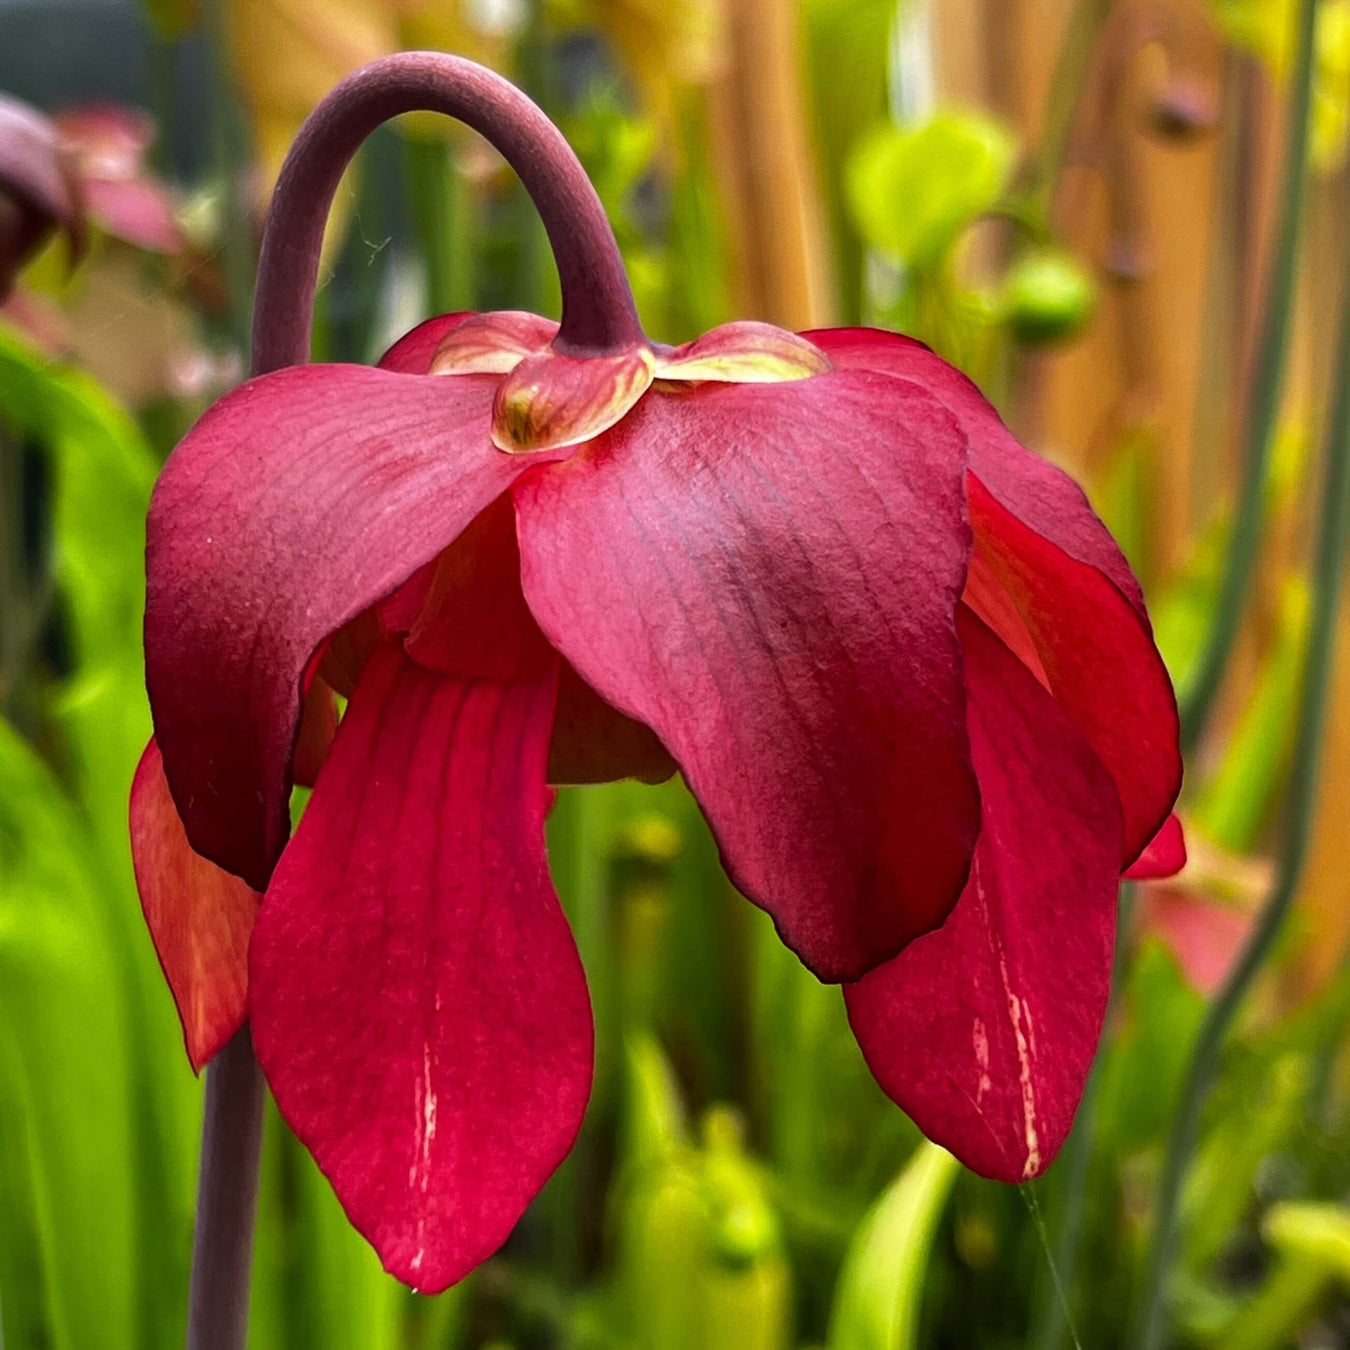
(1333, 542)
(1267, 383)
(1066, 91)
(442, 215)
(1076, 1158)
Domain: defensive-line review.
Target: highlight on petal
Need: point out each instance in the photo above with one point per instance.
(199, 917)
(744, 352)
(293, 506)
(492, 344)
(984, 1031)
(412, 353)
(549, 401)
(418, 1005)
(1165, 854)
(767, 577)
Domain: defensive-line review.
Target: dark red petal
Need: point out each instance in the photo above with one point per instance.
(1034, 490)
(1067, 580)
(1095, 654)
(417, 1002)
(593, 743)
(766, 576)
(984, 1031)
(199, 917)
(1165, 855)
(412, 353)
(297, 502)
(465, 615)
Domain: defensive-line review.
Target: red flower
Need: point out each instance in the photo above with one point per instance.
(898, 660)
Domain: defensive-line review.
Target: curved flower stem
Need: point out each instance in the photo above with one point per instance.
(598, 315)
(1332, 545)
(598, 310)
(227, 1196)
(1264, 404)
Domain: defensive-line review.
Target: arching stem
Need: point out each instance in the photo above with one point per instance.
(598, 311)
(599, 316)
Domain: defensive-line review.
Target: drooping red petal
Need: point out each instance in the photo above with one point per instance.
(594, 743)
(1068, 582)
(465, 615)
(294, 504)
(1097, 657)
(1034, 490)
(1165, 854)
(417, 1001)
(984, 1031)
(199, 917)
(766, 576)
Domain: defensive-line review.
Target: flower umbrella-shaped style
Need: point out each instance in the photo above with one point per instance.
(898, 660)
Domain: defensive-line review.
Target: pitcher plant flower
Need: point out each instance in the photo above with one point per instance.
(899, 662)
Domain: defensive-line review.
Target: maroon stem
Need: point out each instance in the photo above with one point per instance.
(227, 1198)
(598, 310)
(598, 316)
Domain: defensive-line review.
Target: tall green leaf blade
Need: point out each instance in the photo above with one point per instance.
(878, 1297)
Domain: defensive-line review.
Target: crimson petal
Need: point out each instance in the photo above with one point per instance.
(1034, 490)
(1070, 584)
(295, 503)
(766, 575)
(984, 1031)
(417, 1001)
(1097, 658)
(1165, 855)
(199, 916)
